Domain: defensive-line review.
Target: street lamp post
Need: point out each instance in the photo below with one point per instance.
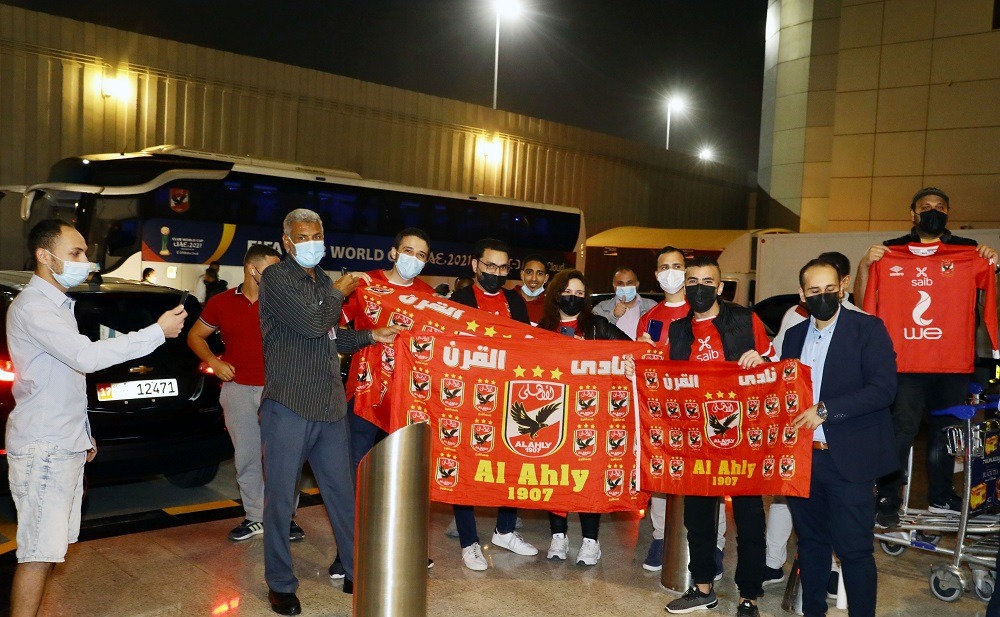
(511, 9)
(674, 103)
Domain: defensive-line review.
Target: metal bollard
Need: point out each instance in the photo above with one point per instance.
(675, 575)
(392, 514)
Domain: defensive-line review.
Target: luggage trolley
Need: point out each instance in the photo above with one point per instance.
(976, 531)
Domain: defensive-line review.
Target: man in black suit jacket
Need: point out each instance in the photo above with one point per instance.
(490, 265)
(854, 383)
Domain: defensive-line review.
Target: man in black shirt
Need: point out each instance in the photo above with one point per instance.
(302, 416)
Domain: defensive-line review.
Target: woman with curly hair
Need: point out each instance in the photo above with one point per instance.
(567, 310)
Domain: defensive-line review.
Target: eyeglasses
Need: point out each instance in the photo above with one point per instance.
(494, 268)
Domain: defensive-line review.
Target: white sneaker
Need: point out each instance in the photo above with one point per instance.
(452, 530)
(559, 546)
(514, 542)
(472, 556)
(590, 552)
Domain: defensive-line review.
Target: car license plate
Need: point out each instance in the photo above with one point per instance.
(128, 390)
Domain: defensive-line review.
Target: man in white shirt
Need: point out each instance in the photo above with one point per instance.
(48, 435)
(625, 309)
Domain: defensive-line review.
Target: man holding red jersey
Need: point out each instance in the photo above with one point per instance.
(924, 286)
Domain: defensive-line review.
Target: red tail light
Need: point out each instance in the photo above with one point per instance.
(6, 370)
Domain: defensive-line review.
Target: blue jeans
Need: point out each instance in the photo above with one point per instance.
(465, 522)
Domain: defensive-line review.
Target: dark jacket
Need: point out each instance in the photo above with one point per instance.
(946, 238)
(600, 329)
(735, 326)
(859, 385)
(518, 310)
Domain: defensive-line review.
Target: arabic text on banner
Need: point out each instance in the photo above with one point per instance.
(712, 428)
(384, 306)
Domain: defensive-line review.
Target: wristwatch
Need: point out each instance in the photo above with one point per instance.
(821, 410)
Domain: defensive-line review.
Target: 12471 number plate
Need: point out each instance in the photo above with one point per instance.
(128, 390)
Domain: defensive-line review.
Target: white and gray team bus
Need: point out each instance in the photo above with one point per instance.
(176, 210)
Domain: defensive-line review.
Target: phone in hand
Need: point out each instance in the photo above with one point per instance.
(184, 297)
(655, 329)
(567, 330)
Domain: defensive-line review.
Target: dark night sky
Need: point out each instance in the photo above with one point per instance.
(603, 65)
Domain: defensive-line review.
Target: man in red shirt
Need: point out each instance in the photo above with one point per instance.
(934, 264)
(716, 331)
(490, 265)
(534, 275)
(670, 276)
(234, 315)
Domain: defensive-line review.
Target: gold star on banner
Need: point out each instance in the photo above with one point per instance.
(556, 374)
(719, 395)
(471, 325)
(732, 394)
(537, 371)
(518, 371)
(708, 395)
(490, 331)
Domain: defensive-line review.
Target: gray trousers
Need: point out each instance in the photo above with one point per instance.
(288, 440)
(239, 407)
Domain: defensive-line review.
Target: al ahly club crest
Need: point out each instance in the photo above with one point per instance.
(486, 397)
(422, 347)
(533, 425)
(724, 423)
(482, 437)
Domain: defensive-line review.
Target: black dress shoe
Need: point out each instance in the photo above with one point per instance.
(284, 603)
(348, 586)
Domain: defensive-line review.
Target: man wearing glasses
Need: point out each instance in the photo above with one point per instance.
(490, 265)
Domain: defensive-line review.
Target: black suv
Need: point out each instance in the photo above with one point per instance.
(176, 430)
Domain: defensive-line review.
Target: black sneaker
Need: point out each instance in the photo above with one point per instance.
(693, 600)
(951, 505)
(348, 586)
(336, 569)
(246, 530)
(747, 609)
(295, 533)
(773, 576)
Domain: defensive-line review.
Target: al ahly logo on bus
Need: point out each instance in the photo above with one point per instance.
(533, 424)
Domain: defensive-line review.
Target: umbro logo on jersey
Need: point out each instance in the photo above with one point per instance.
(896, 271)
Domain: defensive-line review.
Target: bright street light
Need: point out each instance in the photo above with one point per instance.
(706, 154)
(505, 8)
(674, 103)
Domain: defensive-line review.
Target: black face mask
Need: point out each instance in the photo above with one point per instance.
(932, 222)
(823, 306)
(700, 297)
(491, 282)
(571, 305)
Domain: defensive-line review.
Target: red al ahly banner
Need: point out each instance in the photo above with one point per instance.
(422, 314)
(711, 429)
(529, 423)
(526, 423)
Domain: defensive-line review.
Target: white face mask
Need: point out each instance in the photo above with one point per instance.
(308, 254)
(74, 272)
(532, 294)
(671, 281)
(408, 266)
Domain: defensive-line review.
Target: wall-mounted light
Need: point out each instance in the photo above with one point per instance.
(117, 87)
(491, 149)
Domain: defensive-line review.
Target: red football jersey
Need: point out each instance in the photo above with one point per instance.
(926, 295)
(664, 313)
(352, 307)
(707, 345)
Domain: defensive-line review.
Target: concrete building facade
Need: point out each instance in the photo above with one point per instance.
(866, 101)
